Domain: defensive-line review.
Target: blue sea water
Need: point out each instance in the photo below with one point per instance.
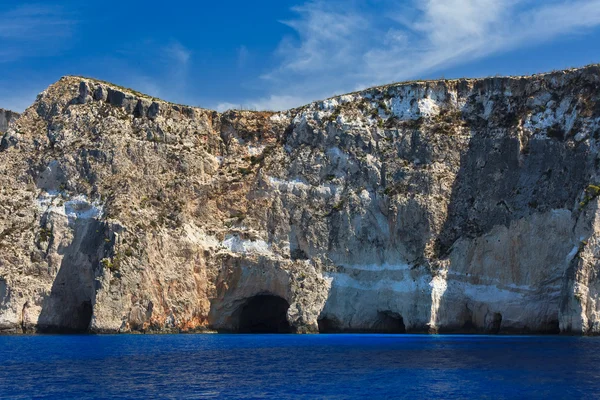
(299, 366)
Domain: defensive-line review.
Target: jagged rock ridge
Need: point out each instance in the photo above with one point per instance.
(442, 206)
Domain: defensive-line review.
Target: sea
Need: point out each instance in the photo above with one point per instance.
(337, 366)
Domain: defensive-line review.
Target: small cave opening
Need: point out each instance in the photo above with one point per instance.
(496, 323)
(551, 327)
(83, 316)
(389, 322)
(468, 326)
(328, 325)
(264, 314)
(298, 254)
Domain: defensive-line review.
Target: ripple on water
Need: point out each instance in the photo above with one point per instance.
(296, 366)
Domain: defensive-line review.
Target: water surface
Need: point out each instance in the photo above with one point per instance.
(298, 366)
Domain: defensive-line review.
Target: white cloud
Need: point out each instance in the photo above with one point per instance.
(33, 30)
(342, 46)
(320, 25)
(270, 103)
(459, 31)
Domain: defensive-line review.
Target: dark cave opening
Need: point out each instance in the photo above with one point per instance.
(551, 327)
(264, 314)
(328, 325)
(72, 318)
(83, 317)
(468, 327)
(496, 323)
(389, 322)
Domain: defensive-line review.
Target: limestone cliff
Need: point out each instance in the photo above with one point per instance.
(442, 206)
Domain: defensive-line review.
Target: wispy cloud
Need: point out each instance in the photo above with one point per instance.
(272, 103)
(157, 69)
(342, 46)
(168, 78)
(34, 30)
(174, 77)
(242, 56)
(455, 32)
(178, 53)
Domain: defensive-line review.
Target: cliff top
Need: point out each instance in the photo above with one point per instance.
(463, 79)
(362, 92)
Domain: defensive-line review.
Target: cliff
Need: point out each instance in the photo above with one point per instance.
(431, 206)
(6, 117)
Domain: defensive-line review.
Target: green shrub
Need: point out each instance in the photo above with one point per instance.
(338, 206)
(591, 192)
(383, 106)
(45, 234)
(110, 264)
(334, 115)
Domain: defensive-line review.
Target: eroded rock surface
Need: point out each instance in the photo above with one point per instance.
(442, 206)
(6, 117)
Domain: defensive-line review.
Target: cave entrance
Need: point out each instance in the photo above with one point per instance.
(389, 322)
(82, 317)
(496, 323)
(68, 317)
(264, 314)
(328, 325)
(551, 327)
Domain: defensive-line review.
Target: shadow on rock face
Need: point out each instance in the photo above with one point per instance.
(501, 182)
(550, 176)
(328, 325)
(69, 306)
(385, 322)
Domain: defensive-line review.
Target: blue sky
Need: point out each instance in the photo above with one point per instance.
(284, 53)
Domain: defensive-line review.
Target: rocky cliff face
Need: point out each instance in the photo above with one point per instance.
(441, 206)
(6, 117)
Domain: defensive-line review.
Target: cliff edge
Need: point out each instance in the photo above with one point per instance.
(463, 205)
